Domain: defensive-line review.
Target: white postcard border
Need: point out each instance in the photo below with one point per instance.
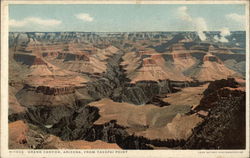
(6, 153)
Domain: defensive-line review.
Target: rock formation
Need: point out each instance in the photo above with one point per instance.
(138, 90)
(225, 125)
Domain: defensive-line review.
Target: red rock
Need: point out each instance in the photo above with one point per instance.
(39, 61)
(148, 61)
(17, 132)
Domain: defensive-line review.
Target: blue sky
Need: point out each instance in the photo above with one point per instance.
(126, 18)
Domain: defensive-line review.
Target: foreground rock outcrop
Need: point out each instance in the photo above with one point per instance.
(25, 136)
(125, 91)
(225, 125)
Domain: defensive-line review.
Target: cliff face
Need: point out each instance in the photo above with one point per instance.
(50, 54)
(16, 111)
(210, 68)
(24, 136)
(116, 85)
(54, 91)
(38, 61)
(237, 57)
(212, 59)
(27, 59)
(225, 125)
(137, 90)
(218, 84)
(62, 111)
(48, 96)
(74, 57)
(154, 68)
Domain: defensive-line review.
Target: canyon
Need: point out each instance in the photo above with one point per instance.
(138, 90)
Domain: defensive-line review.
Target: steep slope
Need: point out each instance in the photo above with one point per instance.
(139, 90)
(211, 68)
(225, 125)
(83, 62)
(43, 73)
(48, 85)
(25, 136)
(149, 120)
(155, 68)
(183, 61)
(239, 67)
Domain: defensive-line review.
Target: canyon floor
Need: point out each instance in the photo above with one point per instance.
(158, 90)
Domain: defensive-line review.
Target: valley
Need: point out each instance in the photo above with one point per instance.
(133, 90)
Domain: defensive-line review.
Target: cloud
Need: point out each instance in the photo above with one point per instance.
(223, 39)
(84, 17)
(216, 37)
(34, 20)
(183, 13)
(16, 23)
(198, 23)
(200, 27)
(236, 17)
(223, 33)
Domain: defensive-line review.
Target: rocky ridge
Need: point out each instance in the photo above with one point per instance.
(72, 96)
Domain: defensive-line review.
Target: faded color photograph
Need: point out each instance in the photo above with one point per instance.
(127, 76)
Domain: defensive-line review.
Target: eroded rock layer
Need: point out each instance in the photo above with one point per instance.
(125, 91)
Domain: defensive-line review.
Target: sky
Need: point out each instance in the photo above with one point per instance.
(126, 17)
